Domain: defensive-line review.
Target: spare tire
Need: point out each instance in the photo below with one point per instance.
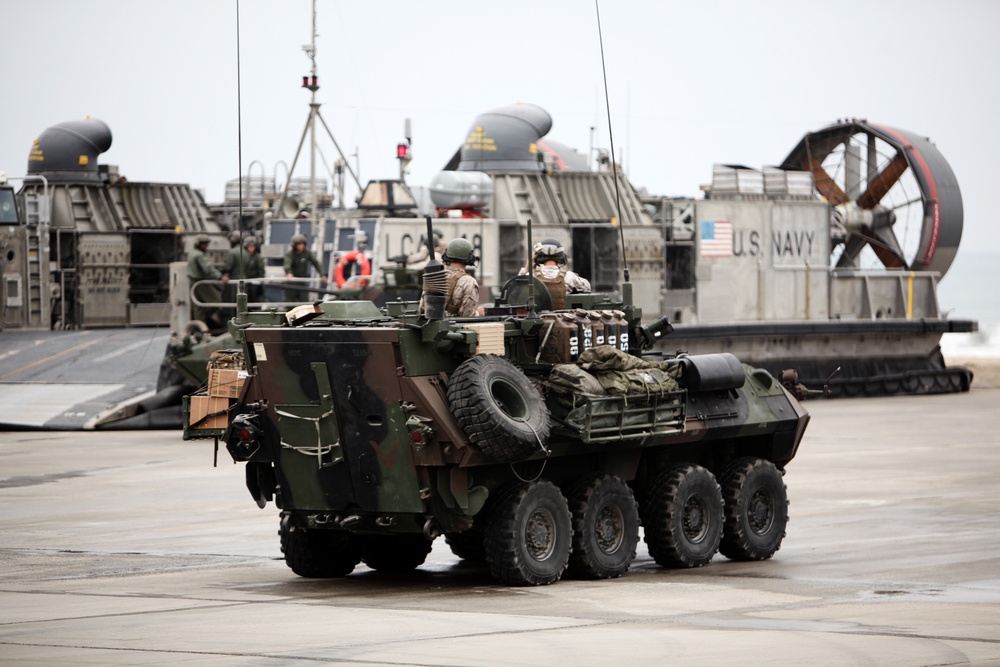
(498, 408)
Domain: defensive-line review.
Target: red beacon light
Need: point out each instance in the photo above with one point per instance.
(402, 151)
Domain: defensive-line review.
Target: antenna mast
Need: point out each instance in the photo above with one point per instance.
(311, 83)
(313, 86)
(614, 163)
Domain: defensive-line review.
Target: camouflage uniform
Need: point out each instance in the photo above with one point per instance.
(463, 294)
(560, 281)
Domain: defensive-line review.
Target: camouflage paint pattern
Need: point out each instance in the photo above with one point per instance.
(356, 431)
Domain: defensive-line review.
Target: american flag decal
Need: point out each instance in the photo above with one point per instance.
(716, 238)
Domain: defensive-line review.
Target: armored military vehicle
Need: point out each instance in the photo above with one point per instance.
(535, 441)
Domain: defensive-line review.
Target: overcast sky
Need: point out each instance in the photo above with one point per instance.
(691, 83)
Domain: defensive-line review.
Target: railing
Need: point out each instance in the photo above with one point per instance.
(312, 285)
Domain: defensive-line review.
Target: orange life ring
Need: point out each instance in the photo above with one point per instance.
(353, 257)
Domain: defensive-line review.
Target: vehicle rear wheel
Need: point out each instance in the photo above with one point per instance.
(529, 535)
(319, 553)
(395, 553)
(605, 527)
(498, 408)
(682, 517)
(756, 510)
(467, 545)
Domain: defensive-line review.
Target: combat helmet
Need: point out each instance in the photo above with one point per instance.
(234, 237)
(549, 249)
(299, 238)
(459, 250)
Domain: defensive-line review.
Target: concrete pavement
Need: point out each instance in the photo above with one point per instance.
(130, 548)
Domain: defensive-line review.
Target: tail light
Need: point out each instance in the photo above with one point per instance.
(242, 437)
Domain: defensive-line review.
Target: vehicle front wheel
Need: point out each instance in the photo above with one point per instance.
(756, 510)
(529, 535)
(682, 517)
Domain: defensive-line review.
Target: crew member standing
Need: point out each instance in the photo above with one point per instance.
(298, 259)
(244, 263)
(200, 267)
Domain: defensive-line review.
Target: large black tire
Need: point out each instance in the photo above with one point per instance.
(529, 535)
(605, 527)
(319, 553)
(468, 545)
(395, 553)
(756, 510)
(498, 408)
(682, 517)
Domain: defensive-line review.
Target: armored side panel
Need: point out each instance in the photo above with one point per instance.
(336, 410)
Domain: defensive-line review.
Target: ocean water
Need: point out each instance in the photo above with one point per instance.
(971, 291)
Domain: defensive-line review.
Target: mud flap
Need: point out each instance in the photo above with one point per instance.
(260, 482)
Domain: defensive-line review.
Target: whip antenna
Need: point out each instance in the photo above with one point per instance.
(239, 157)
(614, 162)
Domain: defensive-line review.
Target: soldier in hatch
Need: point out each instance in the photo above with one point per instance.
(298, 259)
(419, 259)
(549, 260)
(462, 297)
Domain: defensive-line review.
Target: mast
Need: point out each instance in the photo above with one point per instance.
(313, 86)
(311, 82)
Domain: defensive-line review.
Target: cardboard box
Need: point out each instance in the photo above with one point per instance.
(206, 405)
(225, 383)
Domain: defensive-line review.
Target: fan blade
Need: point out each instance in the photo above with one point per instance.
(849, 258)
(883, 182)
(886, 247)
(826, 185)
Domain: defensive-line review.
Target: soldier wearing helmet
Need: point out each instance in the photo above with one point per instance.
(462, 297)
(298, 259)
(419, 259)
(243, 262)
(200, 267)
(549, 260)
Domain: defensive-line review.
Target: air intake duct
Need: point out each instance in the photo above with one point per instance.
(506, 139)
(68, 151)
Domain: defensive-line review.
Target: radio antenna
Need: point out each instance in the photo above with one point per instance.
(239, 156)
(614, 162)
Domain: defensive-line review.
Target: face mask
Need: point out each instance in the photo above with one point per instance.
(549, 272)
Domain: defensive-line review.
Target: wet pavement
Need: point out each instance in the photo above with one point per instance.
(64, 379)
(130, 548)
